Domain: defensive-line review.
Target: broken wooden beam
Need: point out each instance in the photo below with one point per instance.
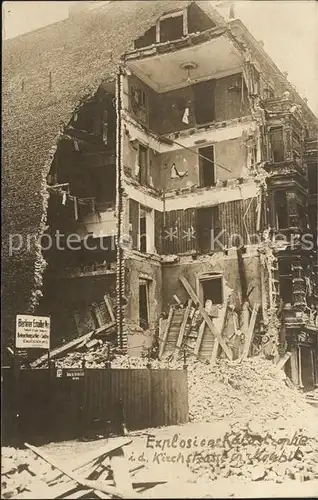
(199, 339)
(102, 452)
(281, 363)
(165, 333)
(216, 345)
(72, 344)
(89, 484)
(109, 308)
(184, 324)
(178, 301)
(121, 473)
(206, 317)
(250, 331)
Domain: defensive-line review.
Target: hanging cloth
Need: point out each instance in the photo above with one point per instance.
(75, 208)
(185, 118)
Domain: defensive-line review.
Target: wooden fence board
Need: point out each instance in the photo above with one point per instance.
(54, 407)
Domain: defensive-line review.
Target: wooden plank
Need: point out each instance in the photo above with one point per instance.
(205, 316)
(216, 342)
(120, 467)
(250, 330)
(102, 452)
(99, 494)
(165, 334)
(259, 211)
(281, 363)
(184, 323)
(95, 485)
(79, 494)
(215, 351)
(176, 298)
(162, 323)
(109, 308)
(199, 339)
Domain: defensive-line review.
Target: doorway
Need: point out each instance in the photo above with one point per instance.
(143, 304)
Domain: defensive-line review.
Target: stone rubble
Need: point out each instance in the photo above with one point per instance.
(253, 398)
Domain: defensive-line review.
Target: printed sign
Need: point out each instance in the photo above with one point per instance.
(74, 373)
(32, 332)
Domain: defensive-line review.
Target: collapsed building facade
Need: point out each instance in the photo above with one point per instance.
(194, 159)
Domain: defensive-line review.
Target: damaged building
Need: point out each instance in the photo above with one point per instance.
(187, 167)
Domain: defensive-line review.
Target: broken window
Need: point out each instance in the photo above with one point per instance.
(198, 20)
(146, 229)
(281, 213)
(138, 102)
(208, 229)
(212, 289)
(86, 117)
(204, 102)
(276, 138)
(147, 39)
(143, 304)
(256, 82)
(171, 28)
(206, 165)
(143, 155)
(269, 93)
(143, 230)
(285, 281)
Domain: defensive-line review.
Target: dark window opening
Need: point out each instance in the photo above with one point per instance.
(171, 28)
(207, 167)
(104, 186)
(256, 81)
(143, 230)
(147, 39)
(301, 217)
(212, 289)
(277, 144)
(280, 204)
(138, 102)
(285, 281)
(204, 105)
(312, 179)
(134, 222)
(143, 164)
(198, 20)
(269, 93)
(86, 117)
(208, 229)
(143, 304)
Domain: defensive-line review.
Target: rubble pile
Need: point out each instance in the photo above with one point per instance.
(256, 451)
(253, 387)
(230, 389)
(92, 357)
(18, 471)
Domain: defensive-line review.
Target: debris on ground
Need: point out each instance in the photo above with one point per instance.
(270, 435)
(32, 473)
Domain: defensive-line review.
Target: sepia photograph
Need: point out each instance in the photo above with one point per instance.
(159, 249)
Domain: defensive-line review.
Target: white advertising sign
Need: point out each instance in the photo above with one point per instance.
(32, 332)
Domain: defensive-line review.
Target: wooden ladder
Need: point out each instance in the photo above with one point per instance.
(171, 340)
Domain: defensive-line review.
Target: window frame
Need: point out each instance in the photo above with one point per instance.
(210, 277)
(182, 13)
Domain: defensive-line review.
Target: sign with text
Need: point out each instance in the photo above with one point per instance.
(32, 332)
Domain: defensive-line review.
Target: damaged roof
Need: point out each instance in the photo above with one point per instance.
(47, 73)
